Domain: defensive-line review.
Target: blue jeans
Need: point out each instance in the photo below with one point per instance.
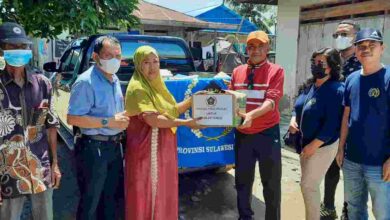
(359, 180)
(42, 206)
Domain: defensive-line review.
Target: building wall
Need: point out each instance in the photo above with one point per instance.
(48, 50)
(286, 46)
(314, 36)
(288, 42)
(207, 38)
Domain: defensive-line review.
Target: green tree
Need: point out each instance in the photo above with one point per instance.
(256, 13)
(49, 18)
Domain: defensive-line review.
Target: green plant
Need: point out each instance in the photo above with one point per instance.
(49, 18)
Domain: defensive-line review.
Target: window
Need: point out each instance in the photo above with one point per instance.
(166, 50)
(70, 60)
(69, 64)
(172, 57)
(88, 58)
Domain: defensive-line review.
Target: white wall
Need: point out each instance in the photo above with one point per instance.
(287, 44)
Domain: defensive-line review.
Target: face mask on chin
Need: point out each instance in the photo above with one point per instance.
(110, 66)
(342, 43)
(17, 58)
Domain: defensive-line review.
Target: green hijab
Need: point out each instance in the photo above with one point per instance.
(144, 95)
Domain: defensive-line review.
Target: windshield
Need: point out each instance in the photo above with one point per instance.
(172, 57)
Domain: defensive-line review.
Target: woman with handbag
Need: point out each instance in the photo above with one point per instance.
(317, 117)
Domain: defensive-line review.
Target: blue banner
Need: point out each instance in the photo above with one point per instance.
(206, 147)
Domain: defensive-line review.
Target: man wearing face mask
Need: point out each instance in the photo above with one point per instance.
(343, 40)
(258, 138)
(96, 106)
(28, 132)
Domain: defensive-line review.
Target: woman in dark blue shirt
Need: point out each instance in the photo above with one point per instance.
(317, 116)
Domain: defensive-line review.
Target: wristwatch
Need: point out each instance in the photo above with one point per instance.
(104, 122)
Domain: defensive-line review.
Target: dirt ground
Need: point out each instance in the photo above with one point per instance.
(204, 195)
(215, 196)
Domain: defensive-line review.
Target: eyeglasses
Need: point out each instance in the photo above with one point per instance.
(336, 35)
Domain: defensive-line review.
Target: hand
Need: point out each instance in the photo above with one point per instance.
(386, 171)
(227, 91)
(247, 120)
(119, 121)
(55, 175)
(227, 83)
(308, 151)
(293, 128)
(192, 123)
(340, 157)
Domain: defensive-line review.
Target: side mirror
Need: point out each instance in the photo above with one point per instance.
(50, 67)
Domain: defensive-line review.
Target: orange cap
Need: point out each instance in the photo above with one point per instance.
(258, 35)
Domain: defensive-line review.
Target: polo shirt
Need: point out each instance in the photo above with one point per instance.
(268, 85)
(94, 95)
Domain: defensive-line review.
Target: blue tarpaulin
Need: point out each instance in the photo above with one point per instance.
(222, 14)
(210, 146)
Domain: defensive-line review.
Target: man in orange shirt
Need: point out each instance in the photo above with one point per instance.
(258, 138)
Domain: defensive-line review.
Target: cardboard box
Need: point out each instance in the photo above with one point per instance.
(219, 109)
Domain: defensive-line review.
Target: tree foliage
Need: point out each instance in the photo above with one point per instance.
(49, 18)
(255, 13)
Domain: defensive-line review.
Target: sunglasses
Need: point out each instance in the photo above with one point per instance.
(336, 35)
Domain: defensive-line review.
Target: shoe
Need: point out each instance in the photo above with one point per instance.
(327, 214)
(344, 215)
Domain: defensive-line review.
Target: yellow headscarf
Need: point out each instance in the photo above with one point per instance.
(144, 95)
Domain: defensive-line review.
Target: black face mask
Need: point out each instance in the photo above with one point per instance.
(318, 71)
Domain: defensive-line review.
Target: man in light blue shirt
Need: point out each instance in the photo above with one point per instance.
(96, 106)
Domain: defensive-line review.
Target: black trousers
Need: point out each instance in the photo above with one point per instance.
(265, 148)
(332, 178)
(100, 179)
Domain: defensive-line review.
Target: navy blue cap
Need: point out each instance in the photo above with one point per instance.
(13, 33)
(368, 34)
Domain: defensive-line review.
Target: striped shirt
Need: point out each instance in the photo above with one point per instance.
(268, 85)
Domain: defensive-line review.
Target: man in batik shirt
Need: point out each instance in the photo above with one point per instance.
(28, 131)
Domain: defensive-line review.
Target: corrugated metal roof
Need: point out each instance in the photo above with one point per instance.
(265, 2)
(150, 13)
(155, 12)
(222, 14)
